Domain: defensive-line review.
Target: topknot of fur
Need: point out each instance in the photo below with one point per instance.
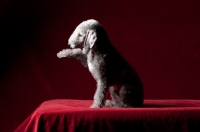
(89, 24)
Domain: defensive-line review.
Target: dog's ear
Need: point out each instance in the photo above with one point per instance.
(91, 38)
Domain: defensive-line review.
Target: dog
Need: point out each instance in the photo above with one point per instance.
(90, 44)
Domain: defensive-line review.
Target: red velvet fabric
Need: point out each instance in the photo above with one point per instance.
(76, 116)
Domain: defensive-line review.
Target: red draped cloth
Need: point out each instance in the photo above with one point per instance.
(75, 116)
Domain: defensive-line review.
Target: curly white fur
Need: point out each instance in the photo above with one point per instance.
(90, 44)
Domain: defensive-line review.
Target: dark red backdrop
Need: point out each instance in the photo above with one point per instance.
(160, 39)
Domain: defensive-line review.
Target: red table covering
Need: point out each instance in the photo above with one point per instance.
(63, 115)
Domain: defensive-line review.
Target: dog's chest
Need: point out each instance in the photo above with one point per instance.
(94, 70)
(93, 67)
(91, 60)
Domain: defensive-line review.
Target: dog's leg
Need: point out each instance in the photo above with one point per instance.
(131, 96)
(77, 53)
(99, 96)
(69, 53)
(115, 97)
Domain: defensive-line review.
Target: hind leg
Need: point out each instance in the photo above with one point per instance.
(115, 97)
(127, 96)
(131, 96)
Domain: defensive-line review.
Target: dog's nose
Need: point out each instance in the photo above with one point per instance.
(68, 43)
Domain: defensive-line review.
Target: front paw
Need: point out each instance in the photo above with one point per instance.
(64, 53)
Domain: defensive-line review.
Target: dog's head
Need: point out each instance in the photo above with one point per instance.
(84, 36)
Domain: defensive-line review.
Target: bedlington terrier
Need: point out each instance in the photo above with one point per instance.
(90, 44)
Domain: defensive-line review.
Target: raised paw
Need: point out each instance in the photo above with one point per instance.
(64, 53)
